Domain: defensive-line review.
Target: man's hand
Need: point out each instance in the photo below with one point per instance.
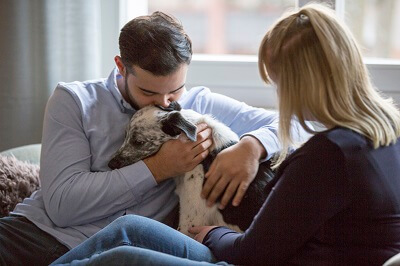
(200, 232)
(181, 155)
(232, 171)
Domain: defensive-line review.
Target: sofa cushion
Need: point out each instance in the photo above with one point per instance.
(29, 153)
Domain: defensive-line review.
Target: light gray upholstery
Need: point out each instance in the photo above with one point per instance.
(29, 153)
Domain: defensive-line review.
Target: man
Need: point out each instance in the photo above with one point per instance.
(84, 125)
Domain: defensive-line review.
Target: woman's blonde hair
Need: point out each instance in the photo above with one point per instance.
(321, 75)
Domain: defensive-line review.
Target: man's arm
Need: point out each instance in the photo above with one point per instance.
(72, 193)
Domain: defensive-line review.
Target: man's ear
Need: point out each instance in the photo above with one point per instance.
(120, 65)
(174, 124)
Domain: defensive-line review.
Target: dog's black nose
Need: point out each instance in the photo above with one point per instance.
(173, 106)
(114, 164)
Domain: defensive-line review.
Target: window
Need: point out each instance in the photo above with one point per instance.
(224, 27)
(226, 35)
(237, 26)
(375, 24)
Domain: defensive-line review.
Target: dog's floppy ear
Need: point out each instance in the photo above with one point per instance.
(175, 123)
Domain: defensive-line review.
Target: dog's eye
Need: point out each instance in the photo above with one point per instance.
(137, 142)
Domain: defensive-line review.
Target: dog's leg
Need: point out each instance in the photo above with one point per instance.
(193, 209)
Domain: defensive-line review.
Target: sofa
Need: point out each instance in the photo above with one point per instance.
(31, 155)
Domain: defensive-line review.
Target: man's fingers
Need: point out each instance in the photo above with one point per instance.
(217, 191)
(201, 127)
(229, 192)
(240, 193)
(182, 137)
(211, 170)
(199, 158)
(204, 134)
(201, 147)
(210, 182)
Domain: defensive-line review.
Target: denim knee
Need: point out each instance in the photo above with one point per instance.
(129, 221)
(132, 225)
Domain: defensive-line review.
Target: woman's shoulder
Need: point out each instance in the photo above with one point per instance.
(350, 145)
(343, 138)
(321, 147)
(336, 143)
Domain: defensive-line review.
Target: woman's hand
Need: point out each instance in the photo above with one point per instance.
(180, 155)
(200, 232)
(232, 171)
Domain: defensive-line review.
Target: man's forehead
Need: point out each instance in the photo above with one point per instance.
(147, 82)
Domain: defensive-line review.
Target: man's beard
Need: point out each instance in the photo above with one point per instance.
(130, 99)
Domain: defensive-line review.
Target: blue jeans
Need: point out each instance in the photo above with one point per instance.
(136, 240)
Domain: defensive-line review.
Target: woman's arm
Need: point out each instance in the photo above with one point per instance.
(311, 189)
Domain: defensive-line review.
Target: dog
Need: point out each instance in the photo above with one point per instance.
(152, 126)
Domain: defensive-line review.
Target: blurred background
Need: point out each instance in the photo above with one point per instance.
(48, 41)
(237, 26)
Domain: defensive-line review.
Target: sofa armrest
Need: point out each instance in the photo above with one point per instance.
(28, 153)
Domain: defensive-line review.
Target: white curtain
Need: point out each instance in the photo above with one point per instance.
(42, 42)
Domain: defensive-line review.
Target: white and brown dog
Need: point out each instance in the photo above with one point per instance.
(152, 126)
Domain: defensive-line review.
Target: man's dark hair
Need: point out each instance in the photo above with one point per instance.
(156, 43)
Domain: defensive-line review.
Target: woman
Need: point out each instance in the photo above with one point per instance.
(335, 199)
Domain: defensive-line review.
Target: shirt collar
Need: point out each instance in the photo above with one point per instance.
(124, 106)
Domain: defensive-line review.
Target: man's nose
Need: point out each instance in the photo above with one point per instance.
(164, 101)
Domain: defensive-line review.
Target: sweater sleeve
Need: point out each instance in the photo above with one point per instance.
(311, 188)
(72, 193)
